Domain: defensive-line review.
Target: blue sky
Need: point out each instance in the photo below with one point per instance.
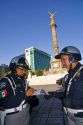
(25, 23)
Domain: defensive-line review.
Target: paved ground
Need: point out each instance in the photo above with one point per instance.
(49, 112)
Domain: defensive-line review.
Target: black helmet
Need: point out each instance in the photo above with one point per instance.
(72, 51)
(18, 61)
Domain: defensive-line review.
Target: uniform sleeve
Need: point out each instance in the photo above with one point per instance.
(4, 88)
(7, 97)
(61, 92)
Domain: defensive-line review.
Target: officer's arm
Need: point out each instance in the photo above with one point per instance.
(11, 101)
(58, 93)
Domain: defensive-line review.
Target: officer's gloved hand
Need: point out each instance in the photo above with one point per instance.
(59, 81)
(29, 92)
(57, 94)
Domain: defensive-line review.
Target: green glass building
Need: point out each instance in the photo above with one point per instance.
(37, 59)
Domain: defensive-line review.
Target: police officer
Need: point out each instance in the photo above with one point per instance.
(14, 106)
(73, 95)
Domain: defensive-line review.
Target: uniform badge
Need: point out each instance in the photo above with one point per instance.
(2, 85)
(78, 74)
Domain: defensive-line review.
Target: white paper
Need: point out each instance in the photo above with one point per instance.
(40, 92)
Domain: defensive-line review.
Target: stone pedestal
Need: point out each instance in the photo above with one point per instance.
(55, 66)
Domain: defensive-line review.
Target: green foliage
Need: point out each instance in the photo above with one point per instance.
(33, 73)
(26, 74)
(6, 71)
(39, 72)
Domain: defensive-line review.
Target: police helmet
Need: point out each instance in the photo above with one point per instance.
(72, 51)
(18, 61)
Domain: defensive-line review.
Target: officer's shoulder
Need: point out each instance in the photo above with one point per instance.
(4, 79)
(80, 72)
(82, 68)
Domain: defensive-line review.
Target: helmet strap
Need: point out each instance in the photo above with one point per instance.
(71, 60)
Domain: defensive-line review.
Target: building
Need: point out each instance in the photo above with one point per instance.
(37, 59)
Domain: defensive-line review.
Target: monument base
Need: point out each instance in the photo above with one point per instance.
(56, 66)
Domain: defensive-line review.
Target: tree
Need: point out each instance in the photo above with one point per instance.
(39, 72)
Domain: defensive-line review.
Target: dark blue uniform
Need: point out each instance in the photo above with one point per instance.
(12, 95)
(9, 99)
(72, 98)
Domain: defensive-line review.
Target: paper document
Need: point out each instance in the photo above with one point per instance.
(40, 92)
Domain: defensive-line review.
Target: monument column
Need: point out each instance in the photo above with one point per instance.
(55, 64)
(54, 35)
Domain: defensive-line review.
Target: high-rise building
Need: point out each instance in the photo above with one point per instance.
(37, 59)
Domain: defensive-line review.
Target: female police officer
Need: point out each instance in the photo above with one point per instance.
(73, 95)
(13, 96)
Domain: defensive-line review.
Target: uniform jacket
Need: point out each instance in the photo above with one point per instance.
(12, 91)
(74, 98)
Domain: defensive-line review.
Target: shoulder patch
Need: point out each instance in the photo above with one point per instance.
(3, 93)
(2, 85)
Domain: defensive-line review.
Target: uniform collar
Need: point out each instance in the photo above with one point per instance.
(73, 71)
